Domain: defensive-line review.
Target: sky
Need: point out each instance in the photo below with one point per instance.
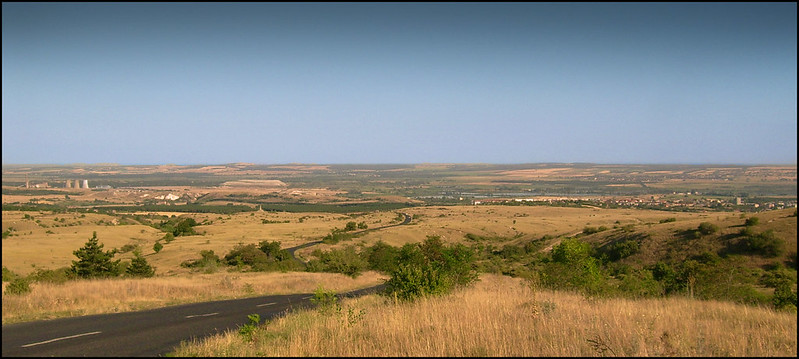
(350, 83)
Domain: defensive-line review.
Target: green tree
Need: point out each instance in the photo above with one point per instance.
(706, 228)
(184, 227)
(273, 250)
(351, 226)
(139, 267)
(94, 262)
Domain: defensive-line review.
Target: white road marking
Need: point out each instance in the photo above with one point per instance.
(57, 339)
(201, 315)
(263, 305)
(307, 297)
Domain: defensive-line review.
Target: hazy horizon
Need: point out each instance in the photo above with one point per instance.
(395, 163)
(399, 83)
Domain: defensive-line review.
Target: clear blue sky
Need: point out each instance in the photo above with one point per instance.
(270, 83)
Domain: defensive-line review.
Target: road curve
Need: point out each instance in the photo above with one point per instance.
(153, 332)
(306, 245)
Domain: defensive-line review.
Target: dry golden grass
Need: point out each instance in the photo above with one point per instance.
(74, 298)
(31, 240)
(451, 223)
(502, 316)
(527, 222)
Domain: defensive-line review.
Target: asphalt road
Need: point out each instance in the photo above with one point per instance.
(153, 332)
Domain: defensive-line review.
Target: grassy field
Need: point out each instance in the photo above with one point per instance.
(502, 316)
(57, 240)
(509, 225)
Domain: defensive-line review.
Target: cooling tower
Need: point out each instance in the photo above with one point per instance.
(85, 183)
(69, 184)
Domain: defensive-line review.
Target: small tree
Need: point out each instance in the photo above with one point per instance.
(157, 247)
(752, 221)
(93, 261)
(139, 267)
(706, 228)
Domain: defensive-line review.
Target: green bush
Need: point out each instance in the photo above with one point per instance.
(208, 262)
(747, 231)
(336, 236)
(381, 257)
(8, 275)
(777, 274)
(58, 276)
(247, 331)
(185, 227)
(640, 284)
(574, 268)
(784, 298)
(273, 251)
(246, 254)
(128, 247)
(706, 228)
(430, 268)
(622, 249)
(511, 252)
(766, 244)
(325, 300)
(592, 230)
(207, 259)
(344, 260)
(139, 267)
(752, 221)
(157, 247)
(723, 279)
(18, 286)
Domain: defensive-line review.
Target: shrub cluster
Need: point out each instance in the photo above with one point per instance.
(431, 268)
(266, 256)
(573, 267)
(592, 230)
(344, 260)
(177, 226)
(765, 243)
(208, 262)
(706, 228)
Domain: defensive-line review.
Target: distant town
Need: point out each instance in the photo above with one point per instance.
(689, 202)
